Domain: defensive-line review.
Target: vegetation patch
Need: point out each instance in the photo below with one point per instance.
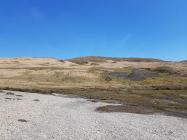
(164, 69)
(61, 60)
(126, 108)
(135, 75)
(167, 82)
(104, 59)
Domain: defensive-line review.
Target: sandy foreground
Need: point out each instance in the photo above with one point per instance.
(30, 116)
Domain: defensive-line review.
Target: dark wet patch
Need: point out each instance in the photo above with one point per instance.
(126, 108)
(135, 75)
(137, 109)
(8, 98)
(2, 91)
(175, 112)
(170, 132)
(92, 100)
(141, 74)
(22, 120)
(19, 95)
(119, 74)
(10, 93)
(13, 99)
(165, 69)
(36, 100)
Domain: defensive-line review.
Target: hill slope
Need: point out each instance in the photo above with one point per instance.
(140, 84)
(104, 59)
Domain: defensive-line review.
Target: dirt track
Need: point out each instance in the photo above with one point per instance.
(37, 117)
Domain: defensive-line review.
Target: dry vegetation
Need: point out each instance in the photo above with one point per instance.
(81, 60)
(141, 85)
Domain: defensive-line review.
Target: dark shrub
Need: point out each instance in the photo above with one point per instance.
(108, 78)
(165, 69)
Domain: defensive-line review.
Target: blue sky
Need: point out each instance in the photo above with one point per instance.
(71, 28)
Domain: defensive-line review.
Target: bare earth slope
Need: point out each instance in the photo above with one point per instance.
(31, 116)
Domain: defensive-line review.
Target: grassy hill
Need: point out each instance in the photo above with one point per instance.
(81, 60)
(144, 84)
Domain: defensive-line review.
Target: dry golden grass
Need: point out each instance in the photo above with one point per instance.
(168, 91)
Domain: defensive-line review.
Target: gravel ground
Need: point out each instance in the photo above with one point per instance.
(30, 116)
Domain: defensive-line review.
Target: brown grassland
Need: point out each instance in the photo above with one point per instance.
(140, 85)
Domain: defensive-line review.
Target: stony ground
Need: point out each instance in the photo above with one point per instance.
(29, 116)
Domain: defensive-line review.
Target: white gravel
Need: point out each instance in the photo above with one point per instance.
(63, 118)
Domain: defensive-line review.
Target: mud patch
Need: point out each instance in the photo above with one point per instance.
(93, 100)
(142, 110)
(22, 120)
(135, 75)
(36, 100)
(126, 108)
(13, 99)
(8, 98)
(10, 93)
(19, 95)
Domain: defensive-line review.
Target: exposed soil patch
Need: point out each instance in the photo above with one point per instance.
(126, 108)
(120, 74)
(36, 100)
(10, 93)
(8, 98)
(135, 75)
(175, 112)
(19, 95)
(13, 99)
(141, 74)
(142, 110)
(165, 69)
(22, 120)
(92, 100)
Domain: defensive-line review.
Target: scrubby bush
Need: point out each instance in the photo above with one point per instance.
(94, 64)
(108, 78)
(165, 69)
(82, 62)
(61, 60)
